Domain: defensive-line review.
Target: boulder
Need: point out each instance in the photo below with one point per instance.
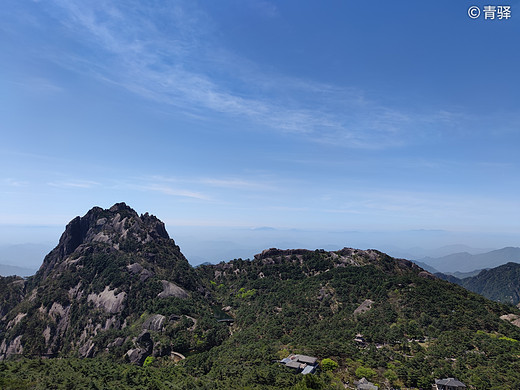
(172, 290)
(137, 355)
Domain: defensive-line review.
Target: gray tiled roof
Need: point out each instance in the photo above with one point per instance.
(308, 370)
(293, 364)
(305, 359)
(450, 382)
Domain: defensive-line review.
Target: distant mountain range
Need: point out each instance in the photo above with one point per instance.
(501, 284)
(8, 270)
(420, 253)
(22, 259)
(467, 262)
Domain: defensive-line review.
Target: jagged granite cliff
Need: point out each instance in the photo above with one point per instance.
(98, 282)
(119, 227)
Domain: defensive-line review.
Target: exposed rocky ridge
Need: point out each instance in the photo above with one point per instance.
(110, 271)
(329, 259)
(114, 227)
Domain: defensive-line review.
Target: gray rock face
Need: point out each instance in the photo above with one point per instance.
(364, 307)
(172, 290)
(108, 300)
(146, 347)
(274, 252)
(146, 274)
(512, 318)
(87, 350)
(13, 348)
(138, 269)
(117, 342)
(145, 341)
(135, 268)
(154, 323)
(137, 356)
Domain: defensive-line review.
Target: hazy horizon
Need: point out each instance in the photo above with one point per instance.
(215, 244)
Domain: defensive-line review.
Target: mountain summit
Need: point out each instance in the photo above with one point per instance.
(106, 269)
(120, 228)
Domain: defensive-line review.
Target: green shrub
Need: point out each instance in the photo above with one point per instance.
(328, 364)
(365, 372)
(148, 361)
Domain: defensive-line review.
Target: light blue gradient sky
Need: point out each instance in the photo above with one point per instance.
(314, 118)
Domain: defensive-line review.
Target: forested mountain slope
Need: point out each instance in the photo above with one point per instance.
(501, 284)
(416, 326)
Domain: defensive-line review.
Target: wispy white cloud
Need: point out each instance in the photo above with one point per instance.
(15, 182)
(238, 184)
(170, 55)
(199, 188)
(233, 182)
(80, 184)
(168, 190)
(39, 86)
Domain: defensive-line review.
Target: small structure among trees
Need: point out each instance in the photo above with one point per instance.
(301, 363)
(448, 384)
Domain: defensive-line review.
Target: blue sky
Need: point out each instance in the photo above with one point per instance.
(316, 119)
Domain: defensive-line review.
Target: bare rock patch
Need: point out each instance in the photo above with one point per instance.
(172, 290)
(108, 300)
(364, 307)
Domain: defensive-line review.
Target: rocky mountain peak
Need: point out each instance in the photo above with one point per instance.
(106, 269)
(121, 207)
(118, 228)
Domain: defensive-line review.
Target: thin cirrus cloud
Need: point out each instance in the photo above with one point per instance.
(10, 182)
(79, 184)
(39, 86)
(185, 68)
(199, 188)
(234, 182)
(172, 191)
(238, 184)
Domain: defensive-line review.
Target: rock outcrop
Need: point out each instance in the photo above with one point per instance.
(107, 267)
